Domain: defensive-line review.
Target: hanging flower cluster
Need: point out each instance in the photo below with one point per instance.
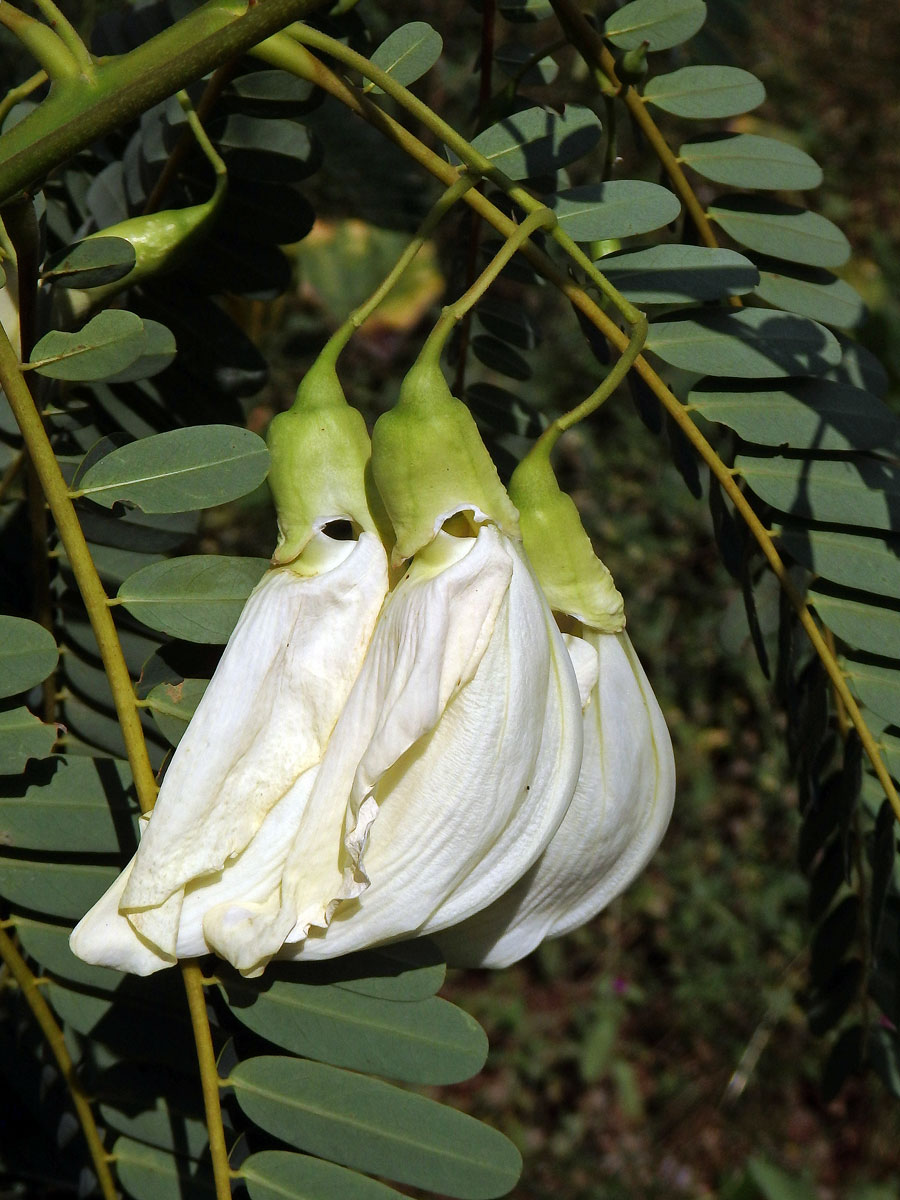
(399, 739)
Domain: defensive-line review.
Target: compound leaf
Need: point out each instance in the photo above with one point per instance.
(107, 344)
(803, 413)
(23, 736)
(781, 230)
(431, 1041)
(838, 491)
(538, 141)
(752, 343)
(810, 292)
(745, 160)
(279, 1175)
(616, 209)
(677, 274)
(851, 559)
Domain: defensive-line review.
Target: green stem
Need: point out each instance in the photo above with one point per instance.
(68, 34)
(97, 605)
(40, 1010)
(212, 155)
(341, 336)
(42, 43)
(207, 101)
(209, 1078)
(436, 340)
(617, 373)
(129, 84)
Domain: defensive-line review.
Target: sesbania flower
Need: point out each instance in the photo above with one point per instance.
(396, 762)
(243, 771)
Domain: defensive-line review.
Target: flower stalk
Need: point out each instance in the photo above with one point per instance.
(46, 46)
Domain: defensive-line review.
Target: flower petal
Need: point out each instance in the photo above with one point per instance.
(261, 727)
(107, 939)
(448, 771)
(617, 818)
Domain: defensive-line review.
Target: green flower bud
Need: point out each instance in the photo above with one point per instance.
(632, 66)
(429, 462)
(574, 579)
(160, 241)
(320, 449)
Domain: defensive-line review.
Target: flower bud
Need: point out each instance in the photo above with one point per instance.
(160, 241)
(632, 66)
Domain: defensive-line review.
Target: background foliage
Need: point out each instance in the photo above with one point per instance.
(677, 1046)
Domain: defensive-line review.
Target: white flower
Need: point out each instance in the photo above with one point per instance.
(451, 765)
(617, 818)
(243, 771)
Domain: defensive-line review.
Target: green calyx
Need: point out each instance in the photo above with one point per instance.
(319, 451)
(429, 462)
(574, 579)
(632, 66)
(160, 241)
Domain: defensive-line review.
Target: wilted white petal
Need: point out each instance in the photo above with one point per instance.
(450, 769)
(250, 753)
(617, 818)
(109, 940)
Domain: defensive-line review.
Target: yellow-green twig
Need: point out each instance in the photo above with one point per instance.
(42, 43)
(434, 343)
(54, 487)
(438, 211)
(68, 34)
(22, 92)
(28, 985)
(209, 1078)
(474, 159)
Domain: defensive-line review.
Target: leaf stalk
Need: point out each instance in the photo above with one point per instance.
(46, 1021)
